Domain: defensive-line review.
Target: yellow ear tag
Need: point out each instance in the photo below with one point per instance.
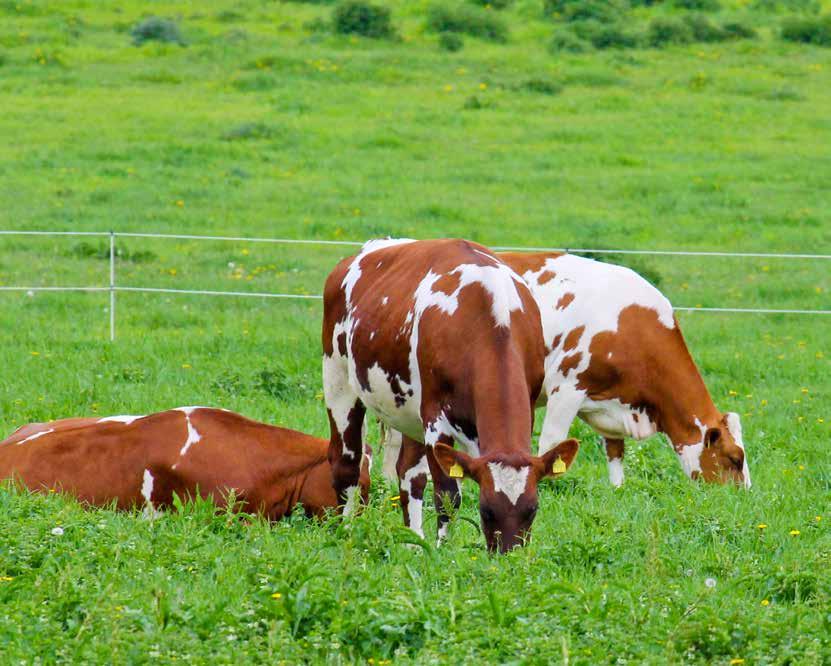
(559, 467)
(456, 471)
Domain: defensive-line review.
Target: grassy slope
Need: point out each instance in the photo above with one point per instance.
(706, 146)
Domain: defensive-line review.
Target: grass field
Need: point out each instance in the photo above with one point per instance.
(263, 126)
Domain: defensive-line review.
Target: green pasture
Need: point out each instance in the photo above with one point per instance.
(264, 124)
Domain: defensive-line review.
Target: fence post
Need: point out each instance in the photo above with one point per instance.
(112, 286)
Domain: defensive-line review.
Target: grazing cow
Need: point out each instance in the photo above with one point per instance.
(191, 451)
(443, 342)
(615, 357)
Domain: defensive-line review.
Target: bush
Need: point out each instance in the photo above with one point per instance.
(156, 29)
(567, 42)
(356, 17)
(493, 4)
(662, 31)
(701, 5)
(450, 41)
(468, 20)
(586, 10)
(793, 6)
(808, 30)
(735, 30)
(603, 36)
(541, 86)
(704, 30)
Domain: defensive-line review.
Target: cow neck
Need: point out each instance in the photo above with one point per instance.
(686, 406)
(503, 407)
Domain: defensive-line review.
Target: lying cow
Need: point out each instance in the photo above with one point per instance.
(137, 461)
(443, 342)
(615, 357)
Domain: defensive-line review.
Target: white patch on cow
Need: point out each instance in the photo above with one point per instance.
(339, 394)
(559, 414)
(509, 480)
(193, 436)
(690, 457)
(615, 419)
(147, 487)
(392, 448)
(415, 511)
(397, 410)
(35, 436)
(385, 300)
(372, 335)
(126, 419)
(421, 467)
(616, 472)
(734, 425)
(353, 498)
(442, 534)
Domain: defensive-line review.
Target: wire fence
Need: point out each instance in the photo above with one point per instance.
(112, 288)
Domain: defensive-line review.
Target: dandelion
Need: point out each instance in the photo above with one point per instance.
(395, 499)
(762, 526)
(801, 468)
(6, 579)
(732, 393)
(186, 366)
(765, 602)
(483, 86)
(710, 582)
(276, 595)
(57, 531)
(820, 420)
(35, 353)
(818, 518)
(737, 660)
(794, 532)
(448, 88)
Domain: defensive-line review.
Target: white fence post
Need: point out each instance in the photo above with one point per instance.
(112, 286)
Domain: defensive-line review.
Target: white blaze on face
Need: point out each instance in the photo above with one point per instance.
(35, 436)
(734, 425)
(509, 480)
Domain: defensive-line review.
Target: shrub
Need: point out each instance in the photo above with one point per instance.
(662, 31)
(809, 30)
(450, 41)
(704, 30)
(735, 30)
(466, 19)
(568, 42)
(603, 36)
(362, 18)
(493, 4)
(701, 5)
(156, 29)
(585, 10)
(793, 6)
(541, 86)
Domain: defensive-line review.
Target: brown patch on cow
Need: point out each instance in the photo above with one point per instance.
(556, 341)
(342, 344)
(546, 276)
(570, 362)
(635, 417)
(447, 284)
(565, 301)
(522, 262)
(573, 338)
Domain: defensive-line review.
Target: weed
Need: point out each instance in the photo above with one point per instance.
(586, 10)
(565, 41)
(246, 131)
(362, 18)
(808, 30)
(469, 20)
(663, 31)
(155, 28)
(451, 41)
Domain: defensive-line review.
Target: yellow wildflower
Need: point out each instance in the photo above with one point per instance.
(794, 532)
(765, 602)
(276, 595)
(762, 526)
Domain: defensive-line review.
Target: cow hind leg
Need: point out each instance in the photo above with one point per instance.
(346, 422)
(412, 468)
(614, 457)
(447, 495)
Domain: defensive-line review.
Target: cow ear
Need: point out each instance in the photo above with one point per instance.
(711, 437)
(455, 464)
(559, 459)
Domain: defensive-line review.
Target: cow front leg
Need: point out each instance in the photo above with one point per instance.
(614, 457)
(346, 422)
(447, 493)
(412, 468)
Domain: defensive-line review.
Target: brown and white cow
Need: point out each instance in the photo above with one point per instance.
(615, 357)
(443, 342)
(136, 461)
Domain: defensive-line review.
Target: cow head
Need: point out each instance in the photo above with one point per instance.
(507, 487)
(720, 456)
